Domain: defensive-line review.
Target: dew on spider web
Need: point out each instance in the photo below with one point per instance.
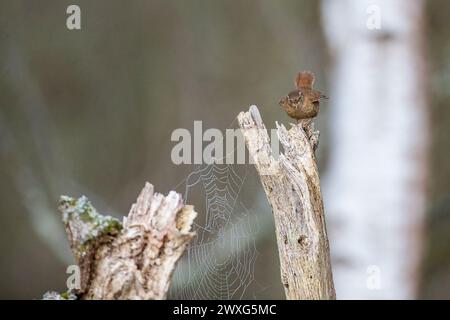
(219, 263)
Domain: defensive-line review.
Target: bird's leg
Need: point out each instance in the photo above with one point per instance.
(313, 136)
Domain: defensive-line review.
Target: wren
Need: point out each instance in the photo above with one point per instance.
(302, 103)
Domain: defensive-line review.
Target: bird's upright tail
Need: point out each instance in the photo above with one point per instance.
(304, 80)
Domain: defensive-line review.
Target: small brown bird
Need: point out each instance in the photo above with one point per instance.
(302, 103)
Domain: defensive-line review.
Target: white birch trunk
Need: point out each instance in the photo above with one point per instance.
(374, 190)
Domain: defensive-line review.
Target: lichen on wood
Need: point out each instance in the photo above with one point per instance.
(130, 260)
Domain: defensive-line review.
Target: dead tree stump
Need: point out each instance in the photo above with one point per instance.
(130, 260)
(292, 187)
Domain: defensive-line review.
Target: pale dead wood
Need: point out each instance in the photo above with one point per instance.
(133, 260)
(292, 187)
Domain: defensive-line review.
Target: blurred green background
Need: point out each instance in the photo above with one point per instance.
(92, 111)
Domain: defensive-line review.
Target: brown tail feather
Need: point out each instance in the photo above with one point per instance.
(304, 80)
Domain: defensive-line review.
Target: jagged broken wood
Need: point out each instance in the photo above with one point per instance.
(292, 187)
(130, 260)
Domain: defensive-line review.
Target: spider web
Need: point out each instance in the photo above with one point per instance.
(219, 264)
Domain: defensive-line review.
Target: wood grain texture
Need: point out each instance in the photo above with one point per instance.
(135, 259)
(292, 187)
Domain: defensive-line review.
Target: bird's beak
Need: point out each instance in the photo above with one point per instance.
(283, 101)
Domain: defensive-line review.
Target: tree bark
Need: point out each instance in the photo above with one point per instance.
(292, 187)
(130, 260)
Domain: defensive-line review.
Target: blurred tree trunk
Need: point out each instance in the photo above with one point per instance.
(375, 187)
